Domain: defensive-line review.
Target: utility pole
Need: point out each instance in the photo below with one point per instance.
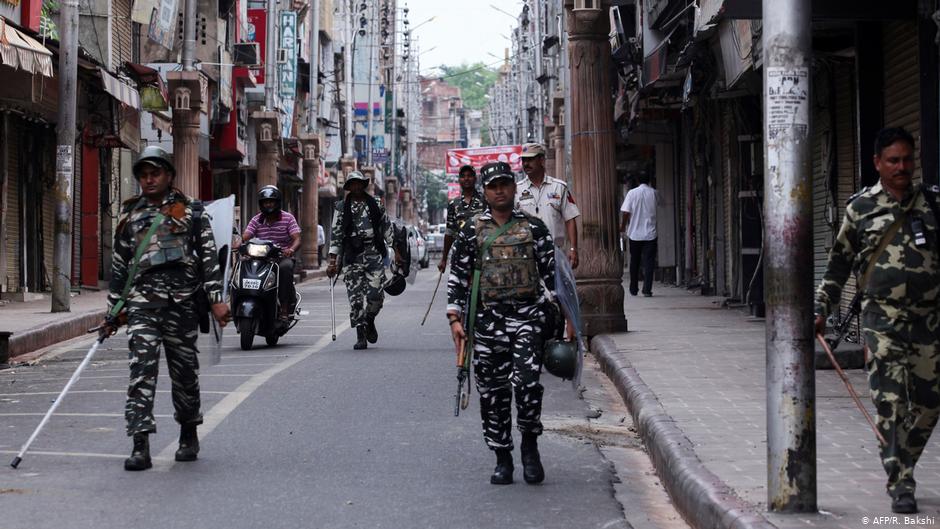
(270, 72)
(189, 35)
(65, 156)
(371, 80)
(187, 102)
(314, 66)
(788, 236)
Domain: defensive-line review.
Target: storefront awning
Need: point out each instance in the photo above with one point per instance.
(22, 52)
(120, 90)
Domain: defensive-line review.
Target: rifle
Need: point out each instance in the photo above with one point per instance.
(842, 327)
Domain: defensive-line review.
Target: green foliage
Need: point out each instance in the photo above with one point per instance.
(474, 81)
(436, 192)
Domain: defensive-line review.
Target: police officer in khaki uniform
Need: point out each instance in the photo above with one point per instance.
(549, 199)
(516, 267)
(160, 304)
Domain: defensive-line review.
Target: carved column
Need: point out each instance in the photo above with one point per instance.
(369, 173)
(347, 165)
(267, 133)
(189, 94)
(391, 198)
(549, 131)
(309, 214)
(558, 144)
(599, 274)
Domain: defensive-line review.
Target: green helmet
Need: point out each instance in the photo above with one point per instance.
(155, 156)
(561, 358)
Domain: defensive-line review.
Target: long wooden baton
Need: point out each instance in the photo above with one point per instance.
(434, 295)
(848, 385)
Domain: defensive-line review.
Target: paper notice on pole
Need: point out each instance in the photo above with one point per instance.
(787, 103)
(63, 160)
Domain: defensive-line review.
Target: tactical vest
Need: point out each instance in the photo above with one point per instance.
(508, 268)
(169, 246)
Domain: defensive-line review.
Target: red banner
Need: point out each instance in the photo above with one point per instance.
(479, 156)
(257, 30)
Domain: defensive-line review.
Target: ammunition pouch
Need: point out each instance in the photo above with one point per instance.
(203, 308)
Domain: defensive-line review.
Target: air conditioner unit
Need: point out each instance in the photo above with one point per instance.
(246, 54)
(623, 41)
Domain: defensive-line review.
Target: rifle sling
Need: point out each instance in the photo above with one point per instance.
(475, 287)
(116, 309)
(883, 244)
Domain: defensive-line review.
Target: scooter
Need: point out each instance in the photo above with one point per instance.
(255, 303)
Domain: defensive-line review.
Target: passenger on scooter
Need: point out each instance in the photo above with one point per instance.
(280, 227)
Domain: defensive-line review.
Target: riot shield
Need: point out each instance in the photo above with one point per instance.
(221, 215)
(568, 299)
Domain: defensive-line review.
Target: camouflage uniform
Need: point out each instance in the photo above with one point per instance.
(508, 328)
(459, 211)
(160, 305)
(363, 274)
(900, 320)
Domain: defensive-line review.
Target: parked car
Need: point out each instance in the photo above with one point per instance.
(419, 247)
(436, 238)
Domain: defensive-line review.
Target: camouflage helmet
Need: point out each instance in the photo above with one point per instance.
(560, 358)
(355, 175)
(156, 157)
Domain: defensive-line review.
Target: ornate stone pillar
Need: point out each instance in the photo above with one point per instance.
(369, 172)
(600, 273)
(189, 91)
(347, 165)
(391, 198)
(309, 214)
(548, 131)
(267, 133)
(558, 144)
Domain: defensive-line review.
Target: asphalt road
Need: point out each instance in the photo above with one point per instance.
(313, 434)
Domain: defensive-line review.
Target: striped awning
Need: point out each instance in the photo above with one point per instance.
(22, 52)
(120, 90)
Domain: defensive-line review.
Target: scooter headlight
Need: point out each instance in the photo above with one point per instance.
(258, 250)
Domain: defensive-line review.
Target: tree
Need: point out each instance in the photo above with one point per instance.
(474, 81)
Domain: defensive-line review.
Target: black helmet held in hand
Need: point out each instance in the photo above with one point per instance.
(269, 193)
(561, 358)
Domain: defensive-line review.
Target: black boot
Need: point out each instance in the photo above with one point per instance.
(372, 334)
(502, 475)
(360, 338)
(904, 503)
(140, 456)
(532, 469)
(189, 443)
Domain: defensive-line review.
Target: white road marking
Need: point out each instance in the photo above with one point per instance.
(121, 415)
(226, 406)
(68, 454)
(121, 391)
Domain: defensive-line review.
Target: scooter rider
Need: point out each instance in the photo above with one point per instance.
(281, 228)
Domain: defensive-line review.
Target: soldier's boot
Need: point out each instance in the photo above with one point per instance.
(532, 469)
(904, 503)
(372, 334)
(189, 443)
(360, 338)
(140, 456)
(502, 475)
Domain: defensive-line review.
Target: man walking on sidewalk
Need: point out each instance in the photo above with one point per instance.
(157, 272)
(889, 239)
(514, 257)
(639, 219)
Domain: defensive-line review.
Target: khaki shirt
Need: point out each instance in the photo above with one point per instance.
(552, 202)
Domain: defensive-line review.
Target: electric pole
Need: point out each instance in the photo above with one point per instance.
(788, 235)
(65, 156)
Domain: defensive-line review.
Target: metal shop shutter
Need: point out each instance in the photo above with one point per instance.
(847, 169)
(822, 165)
(902, 82)
(14, 253)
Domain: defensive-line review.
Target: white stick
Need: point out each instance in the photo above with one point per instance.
(91, 352)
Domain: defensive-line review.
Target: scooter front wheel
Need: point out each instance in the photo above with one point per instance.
(247, 327)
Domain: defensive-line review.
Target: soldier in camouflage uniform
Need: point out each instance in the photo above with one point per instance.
(362, 234)
(469, 204)
(516, 287)
(160, 304)
(899, 305)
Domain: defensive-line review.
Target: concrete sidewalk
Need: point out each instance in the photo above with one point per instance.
(32, 325)
(693, 375)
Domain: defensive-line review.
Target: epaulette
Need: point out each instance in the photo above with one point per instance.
(857, 194)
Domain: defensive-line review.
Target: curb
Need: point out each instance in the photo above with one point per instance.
(36, 338)
(700, 496)
(73, 326)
